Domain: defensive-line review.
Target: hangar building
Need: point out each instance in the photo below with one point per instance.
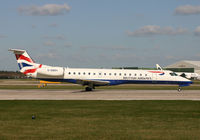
(187, 64)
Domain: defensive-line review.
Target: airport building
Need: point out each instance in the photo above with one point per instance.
(195, 65)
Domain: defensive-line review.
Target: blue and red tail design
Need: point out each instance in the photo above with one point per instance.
(25, 62)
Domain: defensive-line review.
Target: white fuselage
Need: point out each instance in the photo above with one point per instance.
(113, 76)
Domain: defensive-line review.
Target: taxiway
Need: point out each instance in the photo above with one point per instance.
(99, 95)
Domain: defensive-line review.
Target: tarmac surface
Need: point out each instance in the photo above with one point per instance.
(99, 95)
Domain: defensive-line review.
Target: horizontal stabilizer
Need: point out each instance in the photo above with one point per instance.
(17, 51)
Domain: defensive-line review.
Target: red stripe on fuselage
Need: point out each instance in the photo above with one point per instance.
(40, 66)
(156, 71)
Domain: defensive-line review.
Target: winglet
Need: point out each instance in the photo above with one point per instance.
(159, 67)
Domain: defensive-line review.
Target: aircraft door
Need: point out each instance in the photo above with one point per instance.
(63, 72)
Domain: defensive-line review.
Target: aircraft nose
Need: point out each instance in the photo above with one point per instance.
(185, 79)
(188, 81)
(185, 82)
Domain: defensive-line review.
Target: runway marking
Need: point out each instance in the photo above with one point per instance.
(99, 95)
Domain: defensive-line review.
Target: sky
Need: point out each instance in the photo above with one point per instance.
(100, 33)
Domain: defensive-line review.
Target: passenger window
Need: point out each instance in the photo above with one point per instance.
(115, 74)
(129, 74)
(110, 74)
(135, 74)
(89, 73)
(99, 73)
(124, 74)
(84, 73)
(74, 73)
(145, 74)
(79, 73)
(104, 73)
(94, 73)
(120, 74)
(140, 74)
(69, 73)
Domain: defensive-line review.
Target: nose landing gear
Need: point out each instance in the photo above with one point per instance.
(179, 89)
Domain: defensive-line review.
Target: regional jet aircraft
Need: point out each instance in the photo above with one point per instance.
(91, 78)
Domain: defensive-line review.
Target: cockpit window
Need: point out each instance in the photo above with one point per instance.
(173, 74)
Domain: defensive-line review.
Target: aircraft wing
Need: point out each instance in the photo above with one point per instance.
(92, 82)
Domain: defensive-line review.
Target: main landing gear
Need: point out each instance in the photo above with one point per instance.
(88, 89)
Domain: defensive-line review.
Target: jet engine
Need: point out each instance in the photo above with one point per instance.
(50, 72)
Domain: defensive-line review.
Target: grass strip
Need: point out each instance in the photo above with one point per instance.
(107, 120)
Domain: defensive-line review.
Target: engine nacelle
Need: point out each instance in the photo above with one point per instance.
(50, 72)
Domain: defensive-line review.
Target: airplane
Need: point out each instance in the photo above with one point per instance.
(91, 78)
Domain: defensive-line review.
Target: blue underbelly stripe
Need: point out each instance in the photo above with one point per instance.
(118, 82)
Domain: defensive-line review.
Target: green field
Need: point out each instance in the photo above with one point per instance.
(101, 120)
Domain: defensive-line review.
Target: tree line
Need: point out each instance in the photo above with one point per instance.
(11, 75)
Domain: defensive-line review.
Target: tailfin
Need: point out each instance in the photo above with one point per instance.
(21, 55)
(25, 62)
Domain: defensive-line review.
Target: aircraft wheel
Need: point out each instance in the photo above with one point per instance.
(179, 89)
(88, 89)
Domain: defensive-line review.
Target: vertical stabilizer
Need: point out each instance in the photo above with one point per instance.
(25, 62)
